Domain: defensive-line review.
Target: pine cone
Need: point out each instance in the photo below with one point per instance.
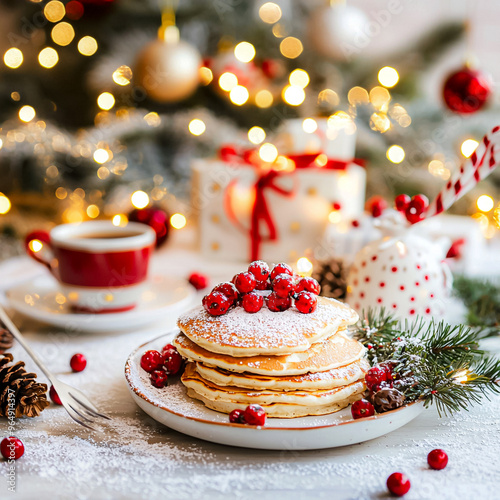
(29, 396)
(332, 276)
(388, 399)
(6, 340)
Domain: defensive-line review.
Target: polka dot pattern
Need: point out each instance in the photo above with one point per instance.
(405, 276)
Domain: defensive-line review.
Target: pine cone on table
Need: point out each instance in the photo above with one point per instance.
(388, 399)
(29, 396)
(332, 276)
(6, 340)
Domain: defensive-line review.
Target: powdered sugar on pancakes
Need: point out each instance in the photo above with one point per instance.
(239, 333)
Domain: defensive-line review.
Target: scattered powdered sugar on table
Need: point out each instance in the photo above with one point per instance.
(137, 457)
(265, 328)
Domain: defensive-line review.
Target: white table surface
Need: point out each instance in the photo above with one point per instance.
(140, 459)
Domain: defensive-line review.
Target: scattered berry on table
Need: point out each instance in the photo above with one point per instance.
(237, 417)
(437, 459)
(198, 280)
(11, 448)
(398, 484)
(78, 362)
(159, 378)
(172, 359)
(54, 396)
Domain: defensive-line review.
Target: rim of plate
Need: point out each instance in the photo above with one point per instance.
(137, 391)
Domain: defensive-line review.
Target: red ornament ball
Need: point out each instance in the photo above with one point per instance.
(259, 269)
(466, 91)
(398, 484)
(216, 303)
(172, 359)
(198, 280)
(74, 10)
(159, 378)
(54, 396)
(281, 269)
(237, 417)
(11, 448)
(308, 285)
(362, 408)
(78, 362)
(229, 290)
(275, 303)
(244, 282)
(156, 218)
(255, 415)
(415, 211)
(306, 302)
(151, 360)
(252, 302)
(437, 459)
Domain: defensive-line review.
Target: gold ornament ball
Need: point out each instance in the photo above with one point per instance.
(168, 71)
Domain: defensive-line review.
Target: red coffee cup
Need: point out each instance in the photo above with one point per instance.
(101, 267)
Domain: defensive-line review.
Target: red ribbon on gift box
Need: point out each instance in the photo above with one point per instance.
(267, 180)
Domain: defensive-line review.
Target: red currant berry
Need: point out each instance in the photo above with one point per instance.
(173, 360)
(281, 269)
(151, 360)
(283, 285)
(401, 202)
(437, 459)
(229, 290)
(78, 362)
(54, 396)
(216, 303)
(398, 484)
(259, 269)
(306, 302)
(361, 409)
(198, 280)
(245, 282)
(237, 417)
(277, 304)
(252, 302)
(262, 285)
(375, 376)
(308, 285)
(159, 378)
(11, 448)
(376, 206)
(255, 415)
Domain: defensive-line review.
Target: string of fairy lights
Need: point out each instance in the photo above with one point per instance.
(385, 114)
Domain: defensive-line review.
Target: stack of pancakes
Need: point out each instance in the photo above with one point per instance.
(292, 364)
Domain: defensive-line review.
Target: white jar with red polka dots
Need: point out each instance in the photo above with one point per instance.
(403, 272)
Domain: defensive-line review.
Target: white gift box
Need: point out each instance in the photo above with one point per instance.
(224, 197)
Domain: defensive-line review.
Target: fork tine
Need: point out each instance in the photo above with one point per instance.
(76, 419)
(85, 417)
(89, 409)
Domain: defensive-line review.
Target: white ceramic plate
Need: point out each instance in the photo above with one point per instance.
(41, 299)
(173, 408)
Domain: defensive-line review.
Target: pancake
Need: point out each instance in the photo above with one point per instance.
(276, 404)
(327, 380)
(241, 334)
(334, 352)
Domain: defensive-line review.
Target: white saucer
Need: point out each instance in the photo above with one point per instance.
(41, 299)
(173, 408)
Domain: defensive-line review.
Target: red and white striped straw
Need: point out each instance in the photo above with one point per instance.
(481, 163)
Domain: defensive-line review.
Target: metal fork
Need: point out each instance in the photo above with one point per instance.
(78, 406)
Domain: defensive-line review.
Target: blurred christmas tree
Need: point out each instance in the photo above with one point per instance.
(98, 103)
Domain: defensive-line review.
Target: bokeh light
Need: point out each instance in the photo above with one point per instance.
(396, 154)
(256, 135)
(244, 52)
(54, 11)
(299, 78)
(13, 58)
(468, 147)
(309, 125)
(264, 99)
(122, 75)
(294, 96)
(227, 81)
(239, 95)
(197, 126)
(178, 221)
(87, 46)
(5, 204)
(291, 47)
(270, 12)
(388, 76)
(106, 101)
(27, 113)
(268, 152)
(485, 203)
(139, 199)
(63, 34)
(48, 57)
